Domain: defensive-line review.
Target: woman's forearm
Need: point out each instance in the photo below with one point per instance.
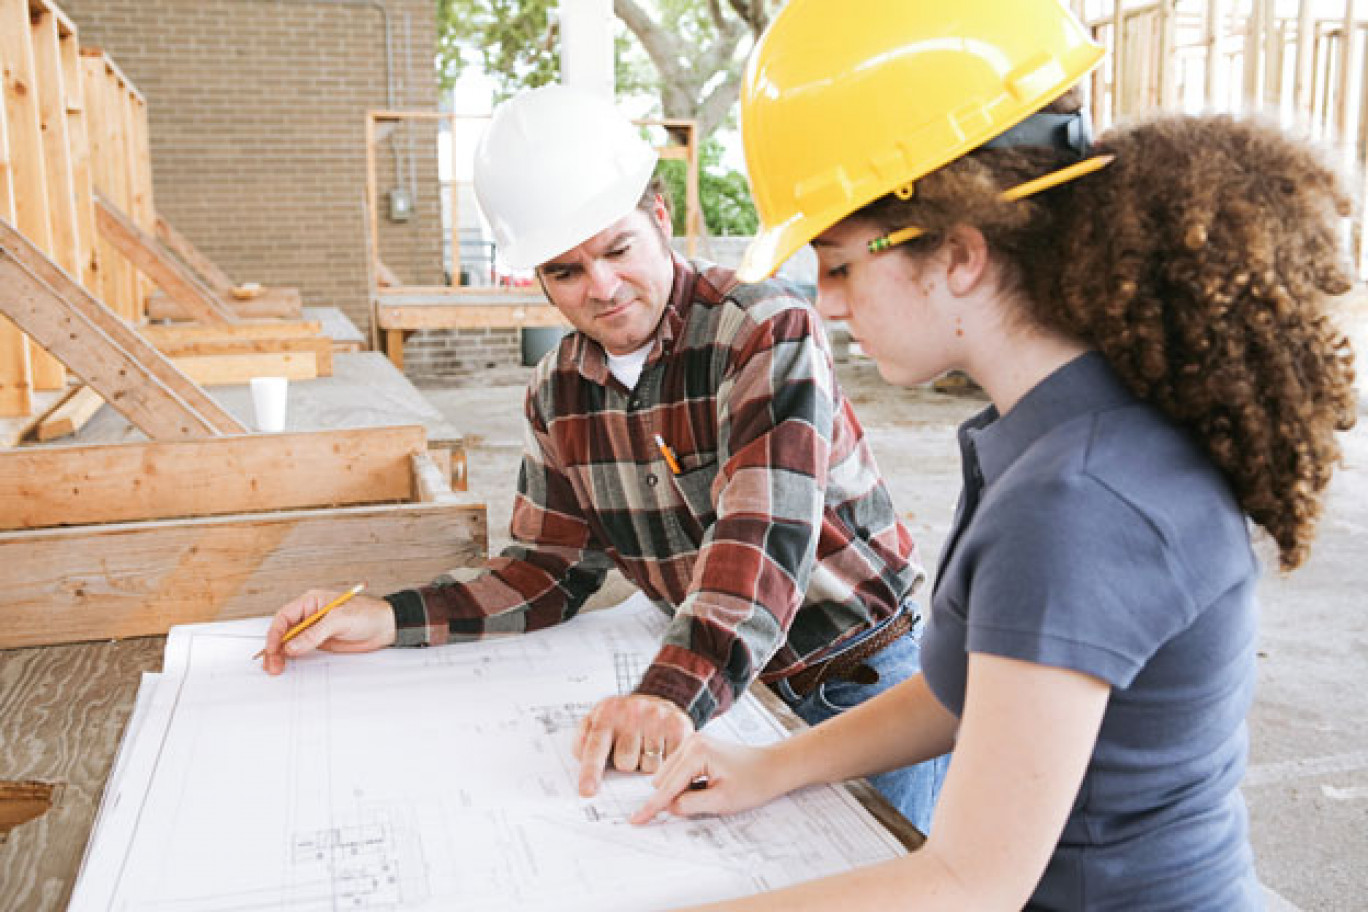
(902, 726)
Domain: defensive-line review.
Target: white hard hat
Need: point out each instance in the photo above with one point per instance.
(556, 166)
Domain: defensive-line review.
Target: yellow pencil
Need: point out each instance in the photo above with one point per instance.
(668, 454)
(312, 619)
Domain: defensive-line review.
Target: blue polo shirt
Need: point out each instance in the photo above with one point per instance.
(1093, 534)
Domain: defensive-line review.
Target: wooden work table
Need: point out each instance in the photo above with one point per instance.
(63, 710)
(400, 311)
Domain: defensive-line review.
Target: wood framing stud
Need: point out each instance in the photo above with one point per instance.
(142, 250)
(100, 348)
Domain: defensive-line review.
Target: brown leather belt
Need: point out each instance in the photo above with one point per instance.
(850, 665)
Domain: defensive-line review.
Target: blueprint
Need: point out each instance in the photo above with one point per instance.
(425, 779)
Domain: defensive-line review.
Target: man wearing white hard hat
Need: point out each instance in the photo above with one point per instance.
(692, 434)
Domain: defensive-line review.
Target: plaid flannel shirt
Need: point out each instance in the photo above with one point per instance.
(775, 543)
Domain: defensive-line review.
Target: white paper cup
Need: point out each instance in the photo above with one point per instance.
(269, 396)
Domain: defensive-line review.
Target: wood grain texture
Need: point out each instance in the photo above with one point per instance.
(102, 349)
(231, 370)
(162, 335)
(62, 712)
(71, 485)
(139, 579)
(71, 415)
(171, 276)
(287, 305)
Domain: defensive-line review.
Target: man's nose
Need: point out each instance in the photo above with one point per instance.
(603, 280)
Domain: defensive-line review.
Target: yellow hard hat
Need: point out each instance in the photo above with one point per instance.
(844, 102)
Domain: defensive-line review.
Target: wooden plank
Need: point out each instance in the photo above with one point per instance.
(70, 485)
(121, 153)
(139, 579)
(1346, 73)
(227, 370)
(13, 431)
(1301, 76)
(432, 480)
(161, 334)
(77, 134)
(71, 415)
(52, 119)
(318, 347)
(28, 173)
(28, 165)
(16, 377)
(467, 316)
(107, 261)
(394, 346)
(141, 249)
(48, 372)
(180, 245)
(279, 302)
(99, 347)
(141, 210)
(120, 191)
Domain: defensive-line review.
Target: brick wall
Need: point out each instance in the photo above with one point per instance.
(432, 356)
(257, 115)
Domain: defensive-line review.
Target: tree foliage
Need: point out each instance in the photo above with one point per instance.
(723, 194)
(688, 53)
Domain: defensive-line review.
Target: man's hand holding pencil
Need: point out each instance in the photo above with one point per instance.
(343, 624)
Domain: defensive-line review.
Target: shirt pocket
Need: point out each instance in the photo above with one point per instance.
(694, 487)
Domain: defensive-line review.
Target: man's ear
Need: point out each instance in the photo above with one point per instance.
(967, 264)
(661, 213)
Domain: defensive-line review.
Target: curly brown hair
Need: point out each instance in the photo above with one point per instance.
(1201, 263)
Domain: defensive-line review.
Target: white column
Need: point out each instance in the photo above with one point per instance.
(586, 28)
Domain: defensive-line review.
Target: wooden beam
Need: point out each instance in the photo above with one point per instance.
(73, 84)
(1346, 74)
(16, 366)
(158, 334)
(28, 173)
(48, 372)
(275, 302)
(316, 347)
(140, 207)
(1214, 35)
(71, 415)
(394, 346)
(42, 487)
(1303, 76)
(1119, 60)
(459, 310)
(142, 251)
(180, 245)
(100, 348)
(14, 431)
(109, 265)
(432, 481)
(232, 370)
(139, 579)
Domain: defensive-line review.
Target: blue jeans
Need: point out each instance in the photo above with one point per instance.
(911, 789)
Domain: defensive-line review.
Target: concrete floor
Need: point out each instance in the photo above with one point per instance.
(1307, 785)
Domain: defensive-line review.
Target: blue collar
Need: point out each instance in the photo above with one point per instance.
(1084, 386)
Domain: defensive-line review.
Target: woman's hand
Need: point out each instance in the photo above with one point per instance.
(714, 777)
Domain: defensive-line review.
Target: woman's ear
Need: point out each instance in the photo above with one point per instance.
(967, 260)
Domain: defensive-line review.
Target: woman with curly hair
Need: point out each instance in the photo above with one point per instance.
(1150, 320)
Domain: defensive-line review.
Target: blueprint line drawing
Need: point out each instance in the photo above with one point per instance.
(426, 779)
